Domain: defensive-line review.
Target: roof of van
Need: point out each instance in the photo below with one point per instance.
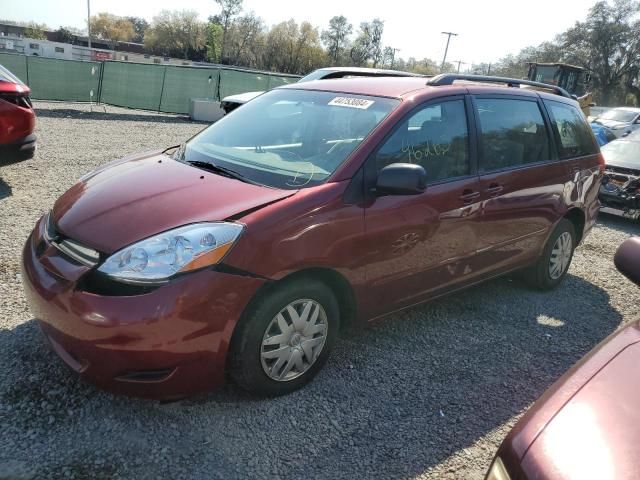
(399, 87)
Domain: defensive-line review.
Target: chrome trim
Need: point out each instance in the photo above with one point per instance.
(83, 255)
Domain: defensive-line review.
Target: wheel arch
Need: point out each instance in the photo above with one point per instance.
(331, 278)
(578, 218)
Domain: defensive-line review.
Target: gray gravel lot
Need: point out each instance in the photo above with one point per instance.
(429, 394)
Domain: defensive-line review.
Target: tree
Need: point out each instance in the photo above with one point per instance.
(111, 28)
(608, 44)
(140, 25)
(368, 44)
(214, 40)
(176, 32)
(336, 38)
(35, 31)
(293, 48)
(64, 35)
(243, 40)
(230, 8)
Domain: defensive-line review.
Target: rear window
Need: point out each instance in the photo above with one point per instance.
(512, 133)
(573, 135)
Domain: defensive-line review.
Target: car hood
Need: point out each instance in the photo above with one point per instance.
(597, 433)
(241, 97)
(11, 87)
(612, 123)
(141, 196)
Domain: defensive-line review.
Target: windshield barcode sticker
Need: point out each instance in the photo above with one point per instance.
(351, 102)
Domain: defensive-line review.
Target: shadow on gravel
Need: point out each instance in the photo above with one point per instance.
(5, 189)
(632, 227)
(134, 116)
(392, 402)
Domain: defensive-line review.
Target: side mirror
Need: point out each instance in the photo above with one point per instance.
(627, 259)
(401, 179)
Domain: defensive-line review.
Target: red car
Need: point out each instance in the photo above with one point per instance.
(315, 207)
(17, 118)
(587, 424)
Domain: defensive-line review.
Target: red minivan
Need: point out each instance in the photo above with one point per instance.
(315, 207)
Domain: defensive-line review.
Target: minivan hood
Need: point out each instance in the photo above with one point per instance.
(138, 198)
(596, 433)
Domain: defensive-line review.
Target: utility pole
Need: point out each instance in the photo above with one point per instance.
(444, 59)
(89, 24)
(459, 62)
(393, 57)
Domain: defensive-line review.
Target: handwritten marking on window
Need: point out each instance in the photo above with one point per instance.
(424, 150)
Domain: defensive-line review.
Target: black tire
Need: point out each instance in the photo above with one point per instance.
(245, 364)
(538, 275)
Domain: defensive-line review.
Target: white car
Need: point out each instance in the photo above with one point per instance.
(621, 121)
(232, 102)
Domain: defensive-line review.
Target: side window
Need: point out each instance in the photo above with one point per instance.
(435, 137)
(512, 133)
(572, 132)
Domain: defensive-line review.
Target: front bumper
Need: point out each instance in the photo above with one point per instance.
(165, 344)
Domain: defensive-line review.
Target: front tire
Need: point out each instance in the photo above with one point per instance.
(284, 338)
(556, 258)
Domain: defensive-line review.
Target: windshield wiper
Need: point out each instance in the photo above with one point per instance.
(227, 172)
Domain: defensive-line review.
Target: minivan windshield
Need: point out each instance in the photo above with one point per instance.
(288, 138)
(619, 115)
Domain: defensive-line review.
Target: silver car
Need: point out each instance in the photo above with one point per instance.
(232, 102)
(621, 121)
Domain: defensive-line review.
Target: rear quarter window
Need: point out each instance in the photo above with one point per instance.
(573, 136)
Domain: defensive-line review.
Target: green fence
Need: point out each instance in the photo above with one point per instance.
(17, 64)
(54, 79)
(165, 88)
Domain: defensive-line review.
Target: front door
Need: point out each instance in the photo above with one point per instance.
(420, 244)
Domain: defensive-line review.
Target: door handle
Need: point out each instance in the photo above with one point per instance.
(468, 196)
(494, 189)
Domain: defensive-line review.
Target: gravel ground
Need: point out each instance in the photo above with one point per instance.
(428, 394)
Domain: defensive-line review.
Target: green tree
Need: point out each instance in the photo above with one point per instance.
(229, 10)
(607, 43)
(368, 44)
(214, 40)
(64, 35)
(35, 31)
(336, 38)
(140, 26)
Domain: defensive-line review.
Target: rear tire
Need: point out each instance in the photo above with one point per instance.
(284, 338)
(553, 264)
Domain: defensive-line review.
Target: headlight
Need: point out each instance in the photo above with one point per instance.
(618, 127)
(156, 259)
(497, 471)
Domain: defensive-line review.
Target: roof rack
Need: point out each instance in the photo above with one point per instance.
(449, 78)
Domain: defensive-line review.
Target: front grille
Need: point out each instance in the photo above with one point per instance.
(74, 250)
(17, 99)
(83, 255)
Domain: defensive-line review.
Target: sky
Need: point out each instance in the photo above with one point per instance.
(487, 29)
